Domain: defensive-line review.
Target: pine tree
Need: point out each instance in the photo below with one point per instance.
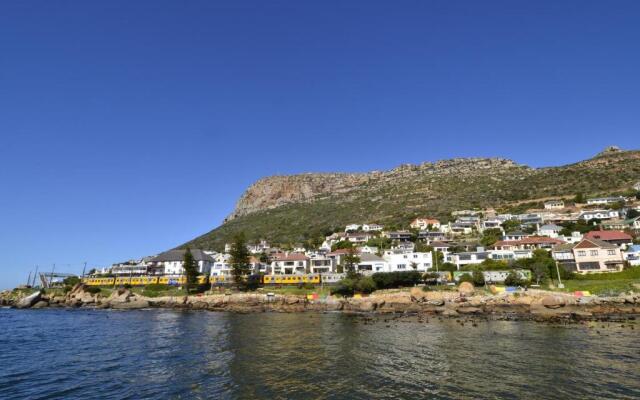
(190, 269)
(240, 260)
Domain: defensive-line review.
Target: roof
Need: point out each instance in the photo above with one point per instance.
(439, 244)
(339, 252)
(608, 235)
(549, 227)
(516, 233)
(289, 257)
(564, 247)
(370, 258)
(178, 255)
(528, 240)
(590, 243)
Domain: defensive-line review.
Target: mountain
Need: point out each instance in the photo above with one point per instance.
(297, 208)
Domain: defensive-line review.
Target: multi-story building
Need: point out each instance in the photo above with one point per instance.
(589, 256)
(172, 262)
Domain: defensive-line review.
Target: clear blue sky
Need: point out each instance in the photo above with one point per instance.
(130, 127)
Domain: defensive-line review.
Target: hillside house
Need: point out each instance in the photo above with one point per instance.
(321, 264)
(549, 230)
(589, 256)
(618, 238)
(599, 214)
(352, 228)
(172, 262)
(429, 236)
(553, 204)
(372, 228)
(517, 235)
(632, 255)
(371, 263)
(289, 263)
(398, 235)
(425, 223)
(605, 200)
(408, 262)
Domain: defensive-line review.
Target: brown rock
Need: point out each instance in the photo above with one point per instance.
(553, 301)
(466, 288)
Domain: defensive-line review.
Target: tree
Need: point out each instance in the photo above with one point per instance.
(490, 236)
(414, 265)
(540, 271)
(239, 260)
(190, 269)
(633, 213)
(343, 244)
(579, 199)
(350, 261)
(510, 225)
(478, 278)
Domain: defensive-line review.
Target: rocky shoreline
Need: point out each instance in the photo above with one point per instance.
(532, 304)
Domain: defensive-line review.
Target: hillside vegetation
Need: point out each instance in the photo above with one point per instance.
(297, 208)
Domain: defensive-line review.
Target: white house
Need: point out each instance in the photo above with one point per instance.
(370, 263)
(289, 263)
(368, 250)
(424, 223)
(553, 204)
(549, 230)
(599, 214)
(466, 258)
(351, 227)
(632, 255)
(605, 200)
(372, 227)
(408, 261)
(321, 264)
(514, 254)
(172, 262)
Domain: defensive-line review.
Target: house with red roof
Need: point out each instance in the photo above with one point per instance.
(619, 238)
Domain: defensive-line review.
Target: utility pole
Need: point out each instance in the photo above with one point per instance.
(29, 279)
(560, 284)
(83, 269)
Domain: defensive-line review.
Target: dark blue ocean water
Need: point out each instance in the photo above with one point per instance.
(157, 354)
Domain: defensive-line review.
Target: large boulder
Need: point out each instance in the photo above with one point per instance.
(40, 304)
(466, 289)
(417, 294)
(553, 301)
(28, 301)
(130, 305)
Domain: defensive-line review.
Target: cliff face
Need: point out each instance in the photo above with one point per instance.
(276, 191)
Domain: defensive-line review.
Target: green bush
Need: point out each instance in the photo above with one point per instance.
(365, 284)
(390, 280)
(71, 281)
(477, 278)
(344, 287)
(513, 279)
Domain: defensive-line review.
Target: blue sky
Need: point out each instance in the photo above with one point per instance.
(128, 128)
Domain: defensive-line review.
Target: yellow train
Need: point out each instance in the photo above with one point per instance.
(143, 280)
(203, 279)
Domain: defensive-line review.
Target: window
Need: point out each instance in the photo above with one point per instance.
(593, 253)
(582, 253)
(611, 252)
(588, 266)
(402, 266)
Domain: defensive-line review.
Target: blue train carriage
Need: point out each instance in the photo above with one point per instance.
(495, 276)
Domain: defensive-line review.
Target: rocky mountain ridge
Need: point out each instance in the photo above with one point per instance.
(275, 191)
